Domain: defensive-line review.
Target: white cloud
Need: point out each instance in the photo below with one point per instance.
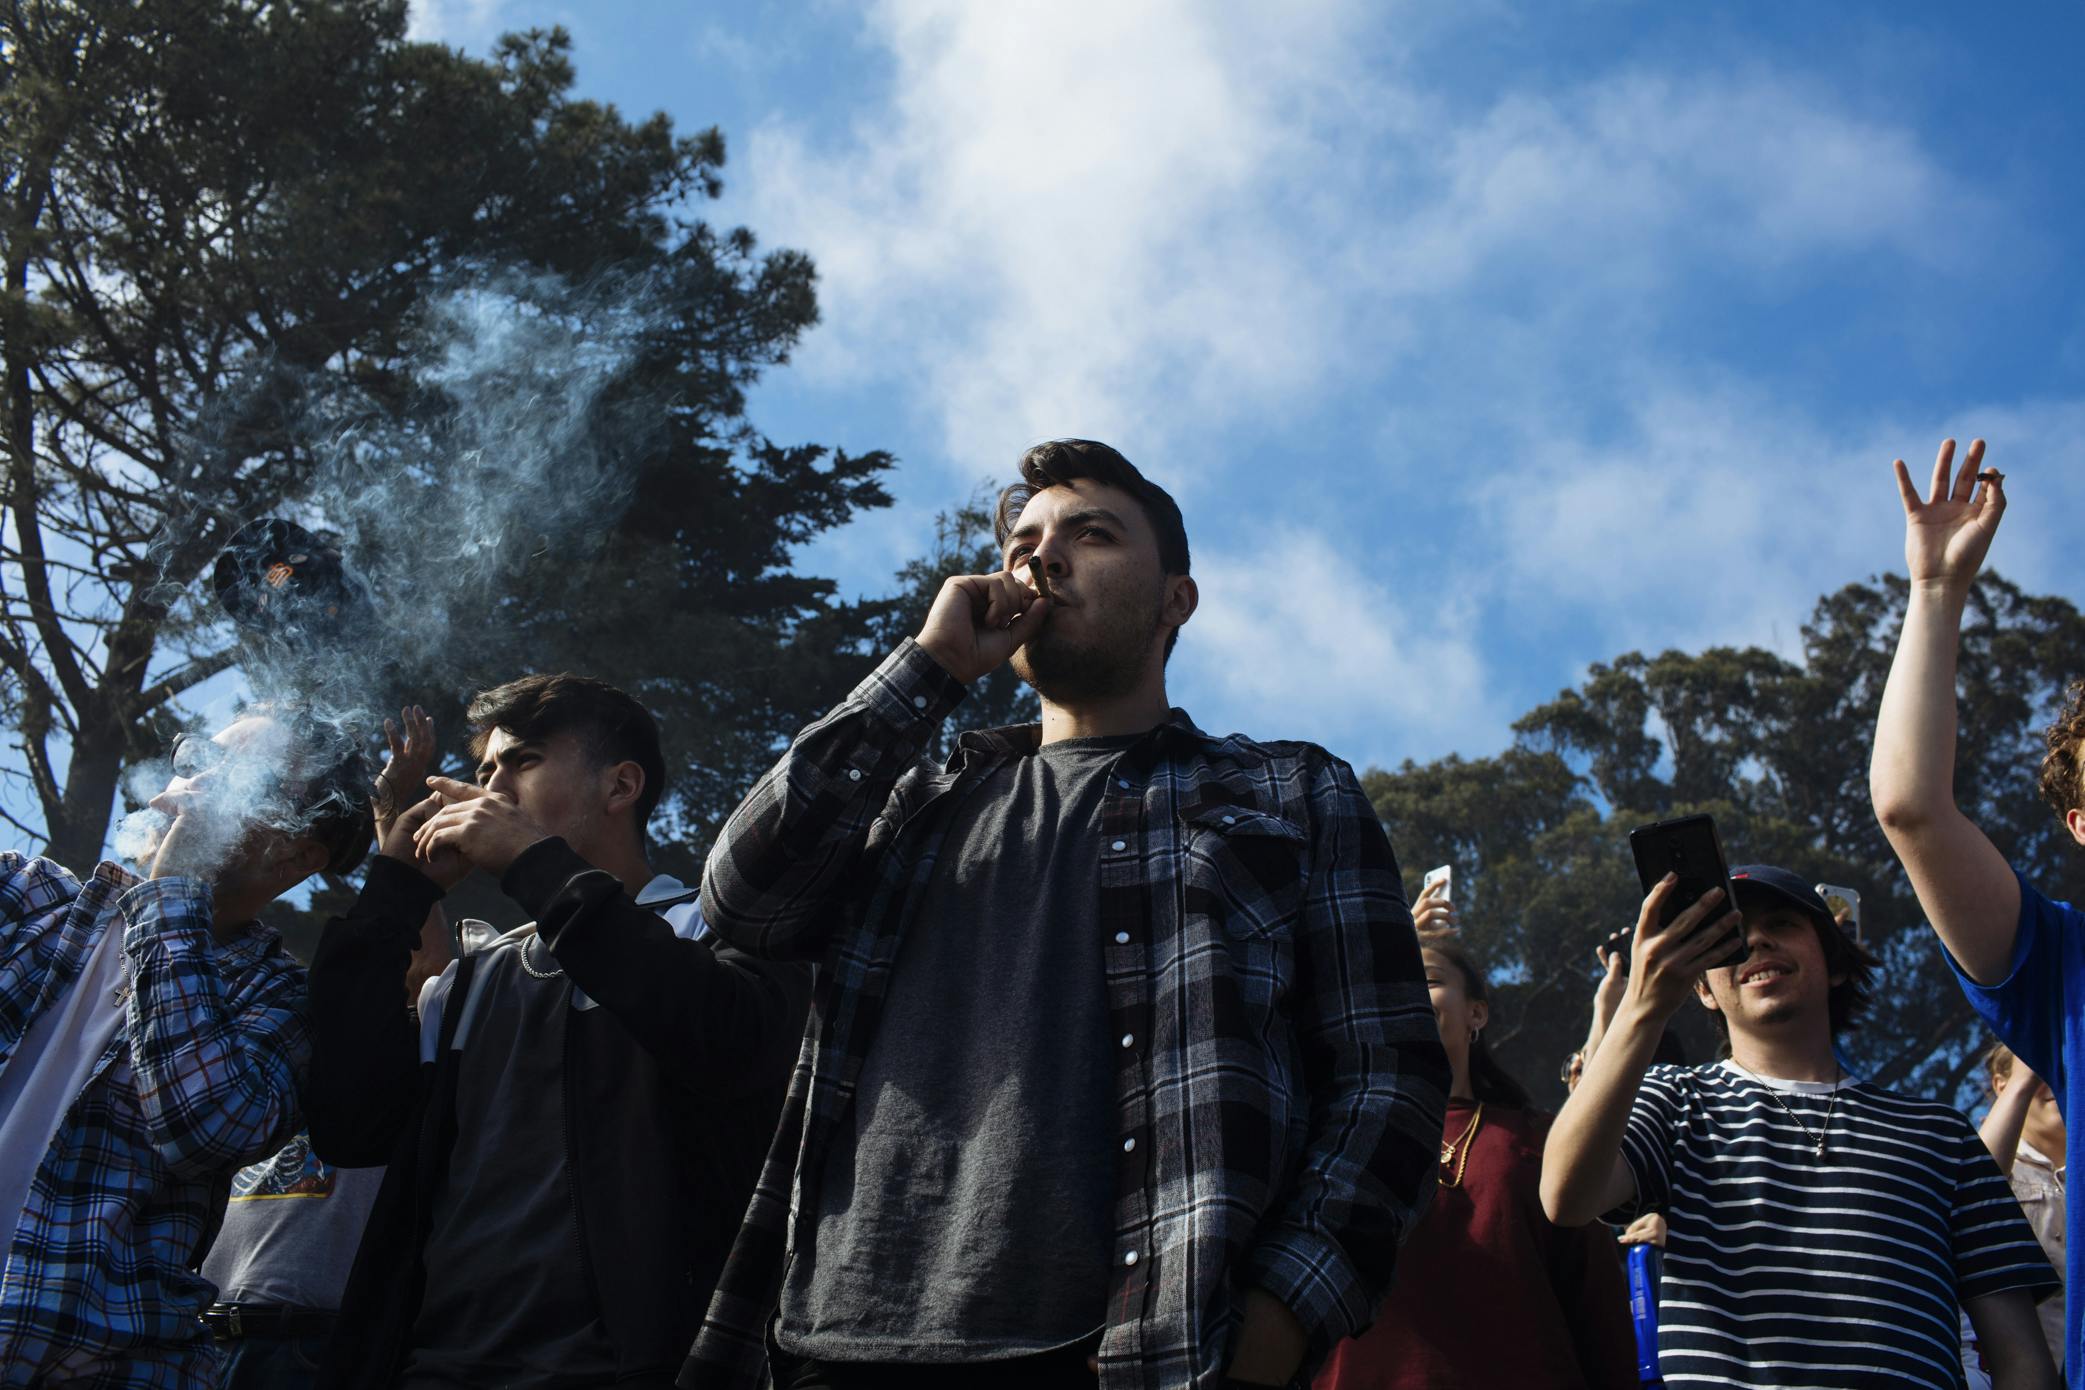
(1293, 639)
(1062, 219)
(458, 23)
(1163, 224)
(1721, 519)
(1143, 221)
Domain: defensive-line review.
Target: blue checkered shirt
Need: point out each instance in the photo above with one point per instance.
(1281, 1083)
(99, 1287)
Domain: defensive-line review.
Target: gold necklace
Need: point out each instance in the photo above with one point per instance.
(1457, 1154)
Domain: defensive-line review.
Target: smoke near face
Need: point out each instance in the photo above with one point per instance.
(507, 444)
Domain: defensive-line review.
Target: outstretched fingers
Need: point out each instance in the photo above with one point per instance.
(1965, 476)
(1907, 489)
(1943, 471)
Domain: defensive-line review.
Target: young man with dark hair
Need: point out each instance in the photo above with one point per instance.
(1123, 1059)
(2019, 956)
(152, 1038)
(574, 1126)
(1821, 1231)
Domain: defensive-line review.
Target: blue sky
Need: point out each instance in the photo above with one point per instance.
(1479, 342)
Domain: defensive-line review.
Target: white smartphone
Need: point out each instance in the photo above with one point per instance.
(1445, 876)
(1846, 900)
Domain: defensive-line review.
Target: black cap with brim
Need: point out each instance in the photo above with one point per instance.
(1765, 884)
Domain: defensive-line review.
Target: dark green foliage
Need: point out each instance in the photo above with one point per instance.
(213, 212)
(1778, 753)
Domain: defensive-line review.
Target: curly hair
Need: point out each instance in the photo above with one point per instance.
(2063, 766)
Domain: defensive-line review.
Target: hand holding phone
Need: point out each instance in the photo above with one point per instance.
(1689, 851)
(1434, 908)
(1675, 942)
(1845, 906)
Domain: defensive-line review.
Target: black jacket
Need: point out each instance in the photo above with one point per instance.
(672, 1089)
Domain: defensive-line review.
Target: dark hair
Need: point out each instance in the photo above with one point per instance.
(613, 727)
(1848, 1000)
(332, 805)
(2063, 766)
(1489, 1082)
(1062, 461)
(342, 820)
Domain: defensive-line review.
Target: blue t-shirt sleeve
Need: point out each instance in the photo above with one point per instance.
(2028, 1007)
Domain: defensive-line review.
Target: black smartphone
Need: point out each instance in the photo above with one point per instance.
(1687, 846)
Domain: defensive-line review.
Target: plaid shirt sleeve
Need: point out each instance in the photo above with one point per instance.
(216, 1085)
(1375, 1073)
(800, 834)
(29, 890)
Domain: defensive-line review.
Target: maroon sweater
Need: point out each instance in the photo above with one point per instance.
(1488, 1292)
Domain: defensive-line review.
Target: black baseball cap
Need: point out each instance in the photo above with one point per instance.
(1764, 885)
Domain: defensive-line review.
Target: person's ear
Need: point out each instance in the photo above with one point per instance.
(296, 861)
(2074, 821)
(625, 787)
(1182, 598)
(1705, 996)
(1998, 1084)
(1480, 1014)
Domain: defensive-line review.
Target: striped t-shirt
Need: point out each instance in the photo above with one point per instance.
(1784, 1269)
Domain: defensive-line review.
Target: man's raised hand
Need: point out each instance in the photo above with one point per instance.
(403, 782)
(1947, 536)
(978, 621)
(487, 829)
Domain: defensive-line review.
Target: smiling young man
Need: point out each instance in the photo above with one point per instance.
(574, 1125)
(1822, 1231)
(1122, 1058)
(152, 1036)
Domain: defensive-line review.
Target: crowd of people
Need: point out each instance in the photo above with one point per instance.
(1106, 1052)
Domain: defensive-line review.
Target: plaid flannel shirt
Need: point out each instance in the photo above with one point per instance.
(99, 1286)
(1281, 1084)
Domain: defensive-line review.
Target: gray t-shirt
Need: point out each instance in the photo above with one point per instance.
(508, 1298)
(965, 1209)
(291, 1230)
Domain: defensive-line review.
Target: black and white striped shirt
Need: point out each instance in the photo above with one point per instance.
(1783, 1269)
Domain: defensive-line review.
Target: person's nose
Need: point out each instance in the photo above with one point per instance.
(178, 793)
(1054, 554)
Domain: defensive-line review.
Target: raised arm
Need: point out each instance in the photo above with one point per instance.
(1583, 1171)
(216, 1076)
(794, 849)
(1963, 883)
(2002, 1127)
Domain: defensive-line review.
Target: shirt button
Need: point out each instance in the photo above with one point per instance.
(919, 702)
(1122, 782)
(1230, 820)
(854, 774)
(1119, 844)
(1121, 938)
(1129, 1146)
(1129, 1039)
(1129, 1257)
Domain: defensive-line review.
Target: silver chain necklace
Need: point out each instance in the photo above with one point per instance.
(1817, 1139)
(530, 945)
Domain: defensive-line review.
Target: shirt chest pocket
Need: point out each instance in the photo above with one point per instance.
(1244, 870)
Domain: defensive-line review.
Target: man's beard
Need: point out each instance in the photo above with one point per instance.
(1066, 670)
